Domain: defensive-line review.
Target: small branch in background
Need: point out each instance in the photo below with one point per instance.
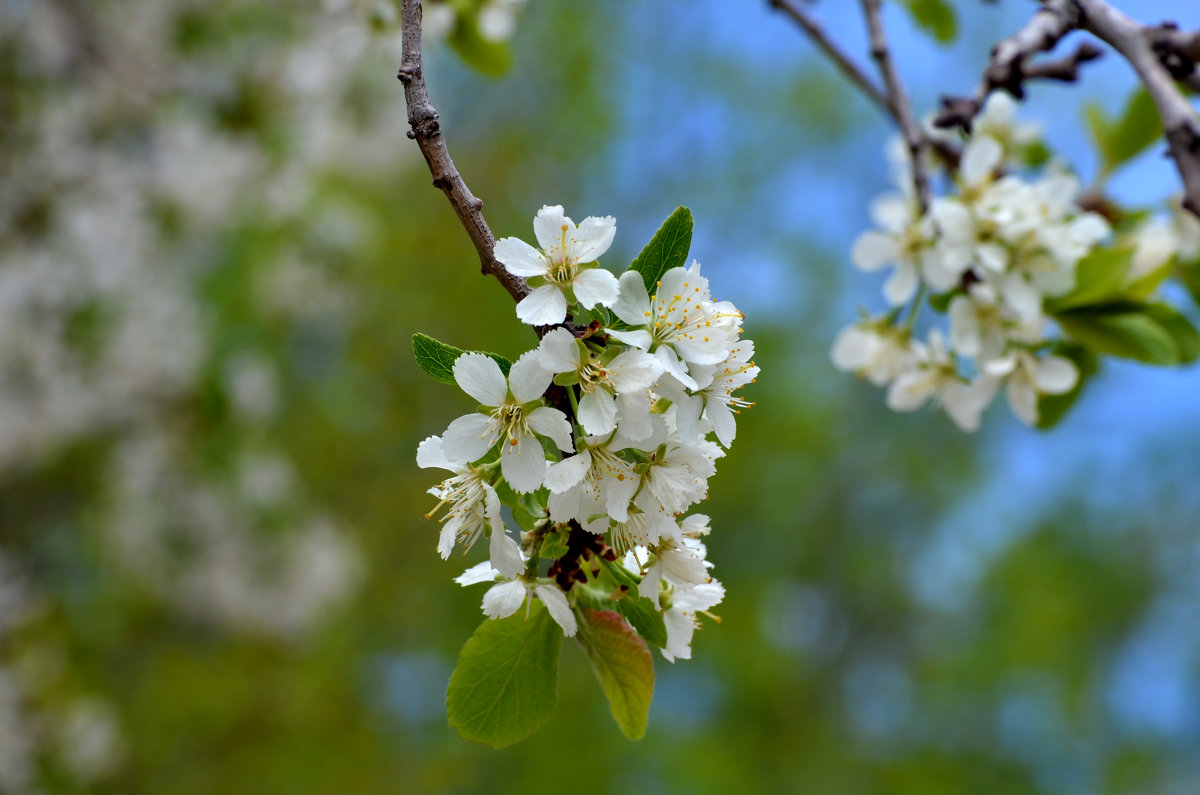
(1157, 55)
(840, 59)
(1009, 66)
(898, 100)
(427, 132)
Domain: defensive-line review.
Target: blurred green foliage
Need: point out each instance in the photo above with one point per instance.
(830, 672)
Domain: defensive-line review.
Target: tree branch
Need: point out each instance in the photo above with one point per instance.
(898, 101)
(1180, 121)
(1009, 67)
(843, 62)
(427, 132)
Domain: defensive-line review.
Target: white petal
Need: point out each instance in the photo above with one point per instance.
(480, 572)
(593, 238)
(469, 437)
(1023, 400)
(980, 158)
(964, 326)
(559, 351)
(723, 422)
(505, 553)
(431, 453)
(556, 602)
(854, 348)
(633, 415)
(545, 306)
(519, 258)
(910, 391)
(480, 377)
(638, 339)
(892, 212)
(527, 379)
(873, 250)
(502, 600)
(598, 412)
(553, 423)
(1056, 375)
(680, 628)
(687, 418)
(648, 587)
(548, 227)
(595, 286)
(902, 284)
(523, 463)
(634, 370)
(671, 364)
(446, 540)
(568, 473)
(633, 302)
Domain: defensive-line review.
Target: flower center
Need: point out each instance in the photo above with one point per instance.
(512, 420)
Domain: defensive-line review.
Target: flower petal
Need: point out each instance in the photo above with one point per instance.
(480, 572)
(527, 379)
(519, 258)
(634, 370)
(593, 238)
(1056, 375)
(902, 284)
(431, 453)
(556, 602)
(469, 437)
(980, 158)
(873, 250)
(523, 463)
(553, 423)
(559, 351)
(480, 377)
(505, 553)
(638, 339)
(502, 600)
(568, 473)
(597, 412)
(545, 306)
(548, 228)
(633, 302)
(595, 286)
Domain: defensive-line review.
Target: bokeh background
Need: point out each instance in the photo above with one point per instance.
(216, 244)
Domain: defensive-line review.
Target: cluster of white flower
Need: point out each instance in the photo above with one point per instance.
(601, 434)
(997, 250)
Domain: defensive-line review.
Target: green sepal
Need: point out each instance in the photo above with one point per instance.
(506, 683)
(437, 358)
(666, 250)
(623, 664)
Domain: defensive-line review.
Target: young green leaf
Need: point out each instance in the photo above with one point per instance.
(1099, 277)
(437, 358)
(1128, 331)
(622, 664)
(639, 611)
(667, 249)
(1136, 131)
(489, 57)
(1183, 333)
(506, 682)
(935, 17)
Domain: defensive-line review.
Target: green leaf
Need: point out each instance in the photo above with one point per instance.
(1189, 274)
(1099, 277)
(639, 611)
(622, 664)
(1183, 333)
(437, 358)
(1125, 330)
(667, 249)
(935, 17)
(1137, 129)
(1122, 139)
(489, 57)
(506, 682)
(1052, 408)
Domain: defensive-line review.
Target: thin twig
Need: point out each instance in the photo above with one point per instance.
(840, 59)
(1008, 66)
(427, 132)
(1180, 121)
(898, 100)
